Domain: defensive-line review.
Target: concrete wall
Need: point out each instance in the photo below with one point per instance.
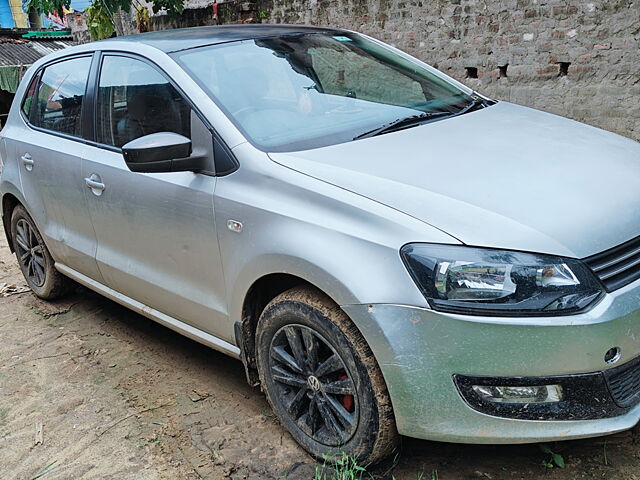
(598, 39)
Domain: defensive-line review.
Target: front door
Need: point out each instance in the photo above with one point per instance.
(156, 234)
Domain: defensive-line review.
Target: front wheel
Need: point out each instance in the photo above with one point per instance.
(322, 380)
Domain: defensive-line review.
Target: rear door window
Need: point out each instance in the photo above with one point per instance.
(135, 99)
(59, 97)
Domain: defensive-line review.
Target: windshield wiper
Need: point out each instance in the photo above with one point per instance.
(472, 105)
(414, 120)
(400, 123)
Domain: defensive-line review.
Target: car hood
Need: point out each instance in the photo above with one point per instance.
(506, 177)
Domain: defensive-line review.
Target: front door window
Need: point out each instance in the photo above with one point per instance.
(135, 99)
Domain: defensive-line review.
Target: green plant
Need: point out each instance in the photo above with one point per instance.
(142, 19)
(100, 15)
(99, 21)
(171, 6)
(344, 467)
(554, 459)
(148, 441)
(46, 6)
(44, 471)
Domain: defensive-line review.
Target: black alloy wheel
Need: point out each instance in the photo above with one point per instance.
(314, 384)
(322, 380)
(30, 253)
(36, 263)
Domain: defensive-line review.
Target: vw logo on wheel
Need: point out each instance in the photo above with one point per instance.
(314, 383)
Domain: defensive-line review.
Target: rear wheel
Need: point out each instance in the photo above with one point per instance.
(322, 380)
(34, 258)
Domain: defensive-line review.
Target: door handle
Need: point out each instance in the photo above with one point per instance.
(93, 182)
(27, 161)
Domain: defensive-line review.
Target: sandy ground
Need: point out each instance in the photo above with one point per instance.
(120, 397)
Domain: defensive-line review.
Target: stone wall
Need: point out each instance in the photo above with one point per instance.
(580, 59)
(228, 12)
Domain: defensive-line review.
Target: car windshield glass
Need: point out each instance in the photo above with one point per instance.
(304, 91)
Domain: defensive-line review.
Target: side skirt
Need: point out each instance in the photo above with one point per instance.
(169, 322)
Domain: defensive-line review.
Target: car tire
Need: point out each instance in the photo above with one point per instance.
(34, 258)
(322, 380)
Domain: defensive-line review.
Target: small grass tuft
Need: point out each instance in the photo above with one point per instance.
(44, 471)
(554, 459)
(343, 467)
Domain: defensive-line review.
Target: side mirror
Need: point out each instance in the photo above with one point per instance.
(161, 152)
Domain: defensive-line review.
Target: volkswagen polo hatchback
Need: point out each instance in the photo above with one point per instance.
(387, 251)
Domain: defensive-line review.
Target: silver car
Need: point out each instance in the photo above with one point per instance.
(387, 251)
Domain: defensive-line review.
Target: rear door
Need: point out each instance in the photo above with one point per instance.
(49, 146)
(156, 234)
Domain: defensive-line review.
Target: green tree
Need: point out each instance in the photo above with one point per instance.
(101, 14)
(48, 6)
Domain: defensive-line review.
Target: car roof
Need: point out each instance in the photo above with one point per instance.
(185, 38)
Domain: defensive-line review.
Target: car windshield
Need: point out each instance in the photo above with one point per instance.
(304, 91)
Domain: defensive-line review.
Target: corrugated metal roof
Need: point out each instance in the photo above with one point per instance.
(15, 51)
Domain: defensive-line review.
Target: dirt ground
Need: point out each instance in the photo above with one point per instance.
(91, 390)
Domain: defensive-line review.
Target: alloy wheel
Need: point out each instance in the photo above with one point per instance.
(30, 253)
(314, 385)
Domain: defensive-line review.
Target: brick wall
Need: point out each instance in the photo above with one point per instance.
(580, 59)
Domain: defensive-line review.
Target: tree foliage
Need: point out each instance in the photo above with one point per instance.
(48, 6)
(101, 14)
(171, 6)
(99, 21)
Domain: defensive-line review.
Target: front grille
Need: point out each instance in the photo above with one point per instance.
(618, 266)
(624, 383)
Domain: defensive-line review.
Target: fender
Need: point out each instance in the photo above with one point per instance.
(7, 188)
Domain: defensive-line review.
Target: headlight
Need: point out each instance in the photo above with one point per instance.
(482, 281)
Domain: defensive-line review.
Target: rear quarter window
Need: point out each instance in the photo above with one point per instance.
(27, 101)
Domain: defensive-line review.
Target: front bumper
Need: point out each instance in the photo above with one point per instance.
(420, 351)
